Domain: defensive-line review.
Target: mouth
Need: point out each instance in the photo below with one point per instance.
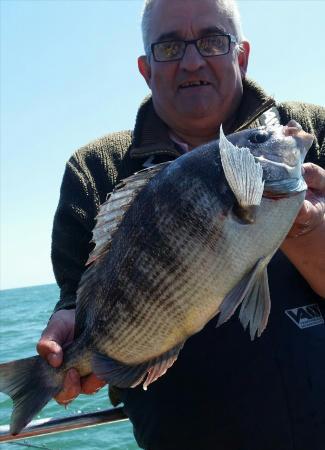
(284, 188)
(193, 84)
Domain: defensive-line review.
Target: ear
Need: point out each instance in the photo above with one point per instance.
(144, 68)
(243, 57)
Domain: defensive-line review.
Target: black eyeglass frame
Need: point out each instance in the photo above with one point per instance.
(231, 40)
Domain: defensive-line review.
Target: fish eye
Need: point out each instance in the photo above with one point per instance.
(259, 137)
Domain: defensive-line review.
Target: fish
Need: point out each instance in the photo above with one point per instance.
(175, 245)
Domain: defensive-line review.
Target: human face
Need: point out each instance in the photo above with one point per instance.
(187, 108)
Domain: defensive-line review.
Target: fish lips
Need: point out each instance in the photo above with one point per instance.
(281, 179)
(284, 188)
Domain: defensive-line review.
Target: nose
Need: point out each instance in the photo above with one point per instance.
(192, 60)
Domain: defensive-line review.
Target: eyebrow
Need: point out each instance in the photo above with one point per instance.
(175, 35)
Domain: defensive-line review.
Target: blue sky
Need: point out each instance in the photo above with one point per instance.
(69, 75)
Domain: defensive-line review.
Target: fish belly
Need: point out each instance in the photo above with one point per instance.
(180, 278)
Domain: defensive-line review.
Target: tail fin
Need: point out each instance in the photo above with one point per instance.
(31, 383)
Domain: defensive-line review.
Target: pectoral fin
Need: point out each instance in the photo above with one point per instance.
(244, 176)
(253, 293)
(255, 308)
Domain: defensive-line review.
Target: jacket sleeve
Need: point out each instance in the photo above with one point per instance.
(72, 229)
(319, 121)
(90, 174)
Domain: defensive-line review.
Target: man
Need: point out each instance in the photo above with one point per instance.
(224, 392)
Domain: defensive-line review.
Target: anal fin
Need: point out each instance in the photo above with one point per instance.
(123, 376)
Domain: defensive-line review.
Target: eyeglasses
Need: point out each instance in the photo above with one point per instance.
(213, 45)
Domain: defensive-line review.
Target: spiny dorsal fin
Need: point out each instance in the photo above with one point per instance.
(112, 211)
(242, 172)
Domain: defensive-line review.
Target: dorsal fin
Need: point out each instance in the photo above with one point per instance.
(112, 211)
(108, 219)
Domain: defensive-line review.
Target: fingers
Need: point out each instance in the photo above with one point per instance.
(91, 384)
(74, 385)
(311, 214)
(314, 176)
(71, 388)
(309, 211)
(303, 223)
(59, 333)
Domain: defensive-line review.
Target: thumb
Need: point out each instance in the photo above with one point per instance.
(314, 176)
(50, 350)
(49, 345)
(57, 334)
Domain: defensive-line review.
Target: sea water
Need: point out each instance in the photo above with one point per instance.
(24, 313)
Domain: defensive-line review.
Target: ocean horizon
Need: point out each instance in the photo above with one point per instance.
(27, 287)
(24, 314)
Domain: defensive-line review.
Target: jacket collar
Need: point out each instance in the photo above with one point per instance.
(151, 135)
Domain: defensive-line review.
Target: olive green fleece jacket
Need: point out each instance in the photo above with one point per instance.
(93, 171)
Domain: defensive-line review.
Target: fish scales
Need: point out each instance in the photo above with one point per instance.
(264, 226)
(183, 258)
(146, 311)
(179, 313)
(175, 245)
(199, 271)
(244, 250)
(163, 306)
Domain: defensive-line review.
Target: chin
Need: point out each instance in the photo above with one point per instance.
(201, 125)
(201, 107)
(204, 114)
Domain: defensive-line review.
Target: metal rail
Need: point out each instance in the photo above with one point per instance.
(50, 426)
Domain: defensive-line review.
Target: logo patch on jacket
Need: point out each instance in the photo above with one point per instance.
(306, 316)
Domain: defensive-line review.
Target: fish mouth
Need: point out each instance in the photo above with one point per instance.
(291, 183)
(193, 84)
(284, 188)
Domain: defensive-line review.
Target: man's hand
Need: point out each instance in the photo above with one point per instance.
(56, 336)
(312, 212)
(305, 243)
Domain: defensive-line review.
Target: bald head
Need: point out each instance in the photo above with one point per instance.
(195, 93)
(228, 10)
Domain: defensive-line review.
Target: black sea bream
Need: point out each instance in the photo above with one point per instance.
(176, 244)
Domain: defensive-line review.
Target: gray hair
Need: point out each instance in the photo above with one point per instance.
(228, 8)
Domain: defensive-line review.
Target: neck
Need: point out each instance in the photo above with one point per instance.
(193, 141)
